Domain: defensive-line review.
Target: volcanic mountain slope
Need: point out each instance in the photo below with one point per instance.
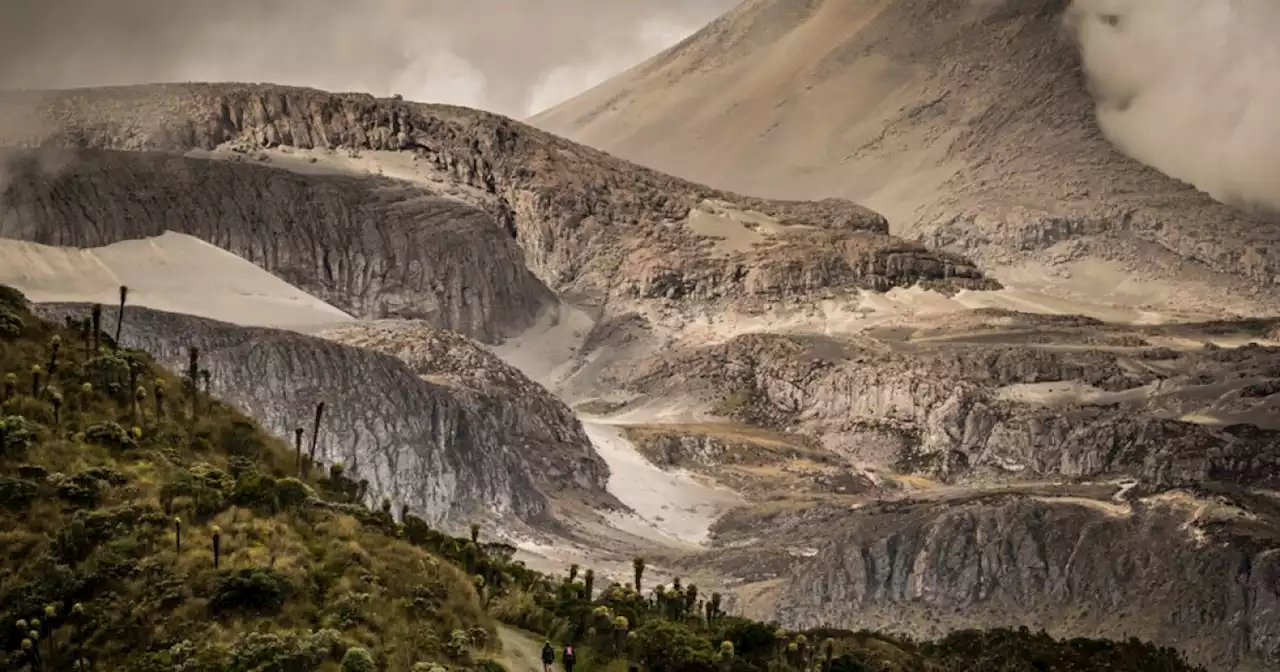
(966, 123)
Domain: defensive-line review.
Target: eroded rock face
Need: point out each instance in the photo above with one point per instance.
(1175, 569)
(518, 407)
(945, 411)
(592, 227)
(373, 247)
(449, 454)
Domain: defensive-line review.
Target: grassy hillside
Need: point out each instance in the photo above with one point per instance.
(112, 498)
(145, 527)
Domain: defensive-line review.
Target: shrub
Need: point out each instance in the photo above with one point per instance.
(257, 590)
(10, 324)
(16, 493)
(358, 660)
(294, 494)
(209, 488)
(16, 436)
(13, 299)
(274, 652)
(108, 435)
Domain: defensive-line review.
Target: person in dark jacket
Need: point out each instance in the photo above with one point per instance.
(568, 658)
(548, 657)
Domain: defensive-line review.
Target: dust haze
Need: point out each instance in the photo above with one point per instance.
(509, 56)
(1191, 87)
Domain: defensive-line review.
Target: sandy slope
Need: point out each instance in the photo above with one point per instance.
(170, 272)
(670, 506)
(966, 123)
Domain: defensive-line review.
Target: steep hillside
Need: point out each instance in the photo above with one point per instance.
(596, 229)
(410, 436)
(967, 124)
(138, 534)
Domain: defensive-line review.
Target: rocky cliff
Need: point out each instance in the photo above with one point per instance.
(450, 456)
(372, 246)
(592, 227)
(1193, 570)
(999, 409)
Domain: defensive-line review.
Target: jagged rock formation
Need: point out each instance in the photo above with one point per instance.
(594, 228)
(1192, 570)
(968, 124)
(963, 410)
(371, 246)
(446, 454)
(535, 421)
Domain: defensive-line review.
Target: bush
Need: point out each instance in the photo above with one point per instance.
(108, 435)
(10, 324)
(258, 590)
(663, 646)
(208, 487)
(16, 493)
(287, 652)
(13, 299)
(294, 494)
(358, 660)
(16, 436)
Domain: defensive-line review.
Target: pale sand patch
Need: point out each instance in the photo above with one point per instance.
(670, 507)
(172, 272)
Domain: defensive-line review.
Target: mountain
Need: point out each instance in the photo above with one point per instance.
(968, 124)
(765, 392)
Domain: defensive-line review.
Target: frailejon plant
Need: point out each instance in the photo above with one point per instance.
(124, 296)
(159, 394)
(193, 376)
(55, 344)
(297, 449)
(217, 545)
(638, 566)
(55, 400)
(315, 433)
(97, 326)
(10, 386)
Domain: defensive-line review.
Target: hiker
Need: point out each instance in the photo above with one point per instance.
(548, 657)
(568, 658)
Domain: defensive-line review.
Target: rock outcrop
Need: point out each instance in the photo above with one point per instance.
(372, 246)
(955, 411)
(1191, 570)
(592, 227)
(449, 455)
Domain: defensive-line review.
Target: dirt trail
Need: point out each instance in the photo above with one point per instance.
(520, 651)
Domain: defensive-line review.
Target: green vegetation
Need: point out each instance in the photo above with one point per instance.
(145, 532)
(139, 531)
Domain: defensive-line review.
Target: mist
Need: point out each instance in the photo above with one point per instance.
(514, 57)
(1190, 87)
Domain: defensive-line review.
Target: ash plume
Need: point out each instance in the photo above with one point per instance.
(1190, 87)
(502, 55)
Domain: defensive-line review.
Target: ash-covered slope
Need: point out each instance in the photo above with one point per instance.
(967, 123)
(592, 227)
(444, 453)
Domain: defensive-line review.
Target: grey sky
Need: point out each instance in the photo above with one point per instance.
(509, 56)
